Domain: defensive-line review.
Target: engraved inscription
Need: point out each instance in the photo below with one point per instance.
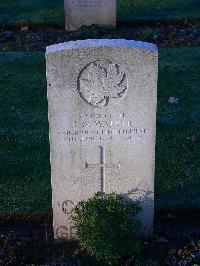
(101, 83)
(90, 3)
(131, 134)
(65, 233)
(73, 232)
(62, 232)
(67, 206)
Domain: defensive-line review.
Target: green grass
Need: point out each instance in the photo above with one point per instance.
(52, 11)
(157, 10)
(177, 157)
(31, 11)
(24, 152)
(24, 148)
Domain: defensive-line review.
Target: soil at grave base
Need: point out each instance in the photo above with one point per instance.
(37, 38)
(36, 237)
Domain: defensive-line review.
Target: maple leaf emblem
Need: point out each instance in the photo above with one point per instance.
(101, 83)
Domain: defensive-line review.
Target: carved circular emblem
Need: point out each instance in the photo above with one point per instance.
(67, 206)
(101, 83)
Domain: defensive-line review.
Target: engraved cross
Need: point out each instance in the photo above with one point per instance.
(103, 165)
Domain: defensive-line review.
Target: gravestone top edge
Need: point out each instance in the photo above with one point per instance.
(101, 43)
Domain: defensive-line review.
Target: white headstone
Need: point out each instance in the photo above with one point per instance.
(89, 12)
(102, 98)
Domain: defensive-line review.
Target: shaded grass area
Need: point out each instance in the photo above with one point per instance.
(24, 152)
(178, 128)
(157, 10)
(52, 11)
(32, 12)
(24, 148)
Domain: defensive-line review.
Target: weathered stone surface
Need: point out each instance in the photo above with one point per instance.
(89, 12)
(102, 113)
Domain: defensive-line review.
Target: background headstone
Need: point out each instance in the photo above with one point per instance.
(88, 12)
(102, 98)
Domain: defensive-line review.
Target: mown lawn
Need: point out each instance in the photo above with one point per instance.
(24, 148)
(52, 11)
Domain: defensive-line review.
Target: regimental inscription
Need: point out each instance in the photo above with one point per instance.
(89, 3)
(65, 233)
(101, 83)
(68, 206)
(135, 134)
(94, 127)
